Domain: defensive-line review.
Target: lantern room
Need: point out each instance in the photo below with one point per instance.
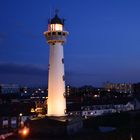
(56, 32)
(56, 24)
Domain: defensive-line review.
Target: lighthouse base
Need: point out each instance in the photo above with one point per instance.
(56, 125)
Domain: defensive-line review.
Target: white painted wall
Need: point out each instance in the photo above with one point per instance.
(56, 84)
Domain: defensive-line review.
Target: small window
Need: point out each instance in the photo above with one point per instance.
(64, 34)
(59, 33)
(65, 111)
(63, 78)
(49, 34)
(64, 94)
(62, 60)
(48, 66)
(53, 33)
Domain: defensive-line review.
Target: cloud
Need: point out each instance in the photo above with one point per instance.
(11, 68)
(23, 74)
(97, 78)
(31, 75)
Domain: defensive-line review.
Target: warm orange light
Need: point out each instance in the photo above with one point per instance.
(32, 110)
(24, 131)
(56, 27)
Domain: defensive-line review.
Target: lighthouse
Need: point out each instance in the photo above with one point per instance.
(56, 122)
(56, 38)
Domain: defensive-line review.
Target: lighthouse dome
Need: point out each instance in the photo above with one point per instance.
(57, 20)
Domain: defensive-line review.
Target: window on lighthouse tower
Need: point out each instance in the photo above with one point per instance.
(56, 27)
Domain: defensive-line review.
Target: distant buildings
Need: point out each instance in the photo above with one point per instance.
(83, 101)
(9, 88)
(119, 87)
(102, 109)
(88, 101)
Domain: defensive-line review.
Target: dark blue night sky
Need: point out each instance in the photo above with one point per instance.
(103, 44)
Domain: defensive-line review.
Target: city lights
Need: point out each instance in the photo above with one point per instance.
(24, 131)
(20, 114)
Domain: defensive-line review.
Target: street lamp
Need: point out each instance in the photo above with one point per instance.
(20, 116)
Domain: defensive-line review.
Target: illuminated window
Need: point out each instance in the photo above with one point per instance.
(64, 94)
(56, 27)
(65, 111)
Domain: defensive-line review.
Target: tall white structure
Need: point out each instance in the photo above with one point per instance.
(56, 37)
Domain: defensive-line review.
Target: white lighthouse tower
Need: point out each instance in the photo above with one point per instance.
(56, 37)
(56, 123)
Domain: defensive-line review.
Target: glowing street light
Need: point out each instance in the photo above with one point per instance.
(24, 131)
(20, 114)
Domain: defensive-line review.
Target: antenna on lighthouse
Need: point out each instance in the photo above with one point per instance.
(50, 13)
(56, 11)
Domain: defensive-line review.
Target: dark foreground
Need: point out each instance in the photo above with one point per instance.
(91, 135)
(127, 127)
